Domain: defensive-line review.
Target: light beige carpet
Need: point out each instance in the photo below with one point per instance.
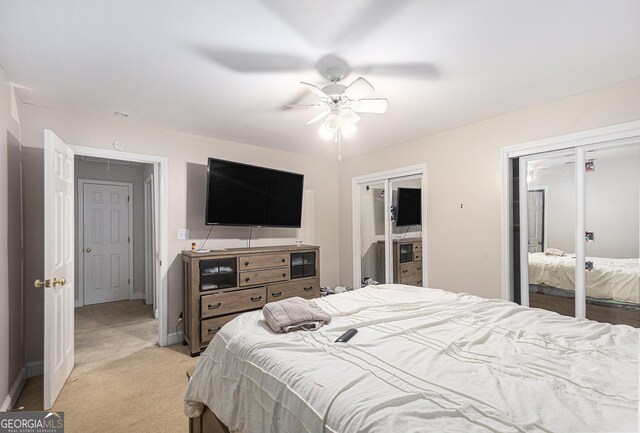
(118, 386)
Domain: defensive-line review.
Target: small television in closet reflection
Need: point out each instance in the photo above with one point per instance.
(409, 211)
(248, 195)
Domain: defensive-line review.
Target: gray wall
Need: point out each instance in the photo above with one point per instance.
(119, 173)
(11, 254)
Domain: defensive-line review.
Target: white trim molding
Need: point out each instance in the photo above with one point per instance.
(615, 135)
(29, 370)
(161, 175)
(174, 337)
(17, 387)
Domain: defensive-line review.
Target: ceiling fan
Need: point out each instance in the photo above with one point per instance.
(342, 104)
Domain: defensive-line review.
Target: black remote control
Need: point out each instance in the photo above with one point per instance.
(347, 336)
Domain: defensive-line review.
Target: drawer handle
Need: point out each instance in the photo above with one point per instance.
(284, 275)
(214, 306)
(404, 271)
(246, 263)
(214, 330)
(276, 294)
(247, 279)
(419, 281)
(420, 268)
(256, 298)
(308, 289)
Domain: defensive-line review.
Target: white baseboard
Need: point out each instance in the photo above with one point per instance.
(174, 337)
(15, 391)
(34, 368)
(29, 370)
(137, 295)
(78, 303)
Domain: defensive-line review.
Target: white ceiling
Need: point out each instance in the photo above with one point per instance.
(199, 66)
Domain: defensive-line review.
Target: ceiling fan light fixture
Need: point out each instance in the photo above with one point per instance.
(347, 128)
(326, 133)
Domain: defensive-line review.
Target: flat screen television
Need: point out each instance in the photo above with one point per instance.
(247, 195)
(409, 207)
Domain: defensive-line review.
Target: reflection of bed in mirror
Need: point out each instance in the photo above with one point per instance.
(612, 282)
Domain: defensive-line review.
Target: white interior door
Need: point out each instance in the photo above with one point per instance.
(58, 265)
(106, 242)
(536, 221)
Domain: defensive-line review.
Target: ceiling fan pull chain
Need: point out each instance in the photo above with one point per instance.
(339, 139)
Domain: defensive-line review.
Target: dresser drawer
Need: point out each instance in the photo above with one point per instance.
(303, 288)
(230, 302)
(411, 279)
(263, 261)
(251, 278)
(411, 268)
(209, 327)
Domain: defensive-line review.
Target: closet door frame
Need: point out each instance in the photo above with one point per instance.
(610, 136)
(386, 177)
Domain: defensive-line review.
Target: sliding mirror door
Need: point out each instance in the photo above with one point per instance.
(548, 227)
(406, 225)
(612, 209)
(389, 210)
(372, 232)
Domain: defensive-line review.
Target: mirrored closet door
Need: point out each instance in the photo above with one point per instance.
(612, 220)
(388, 221)
(549, 234)
(579, 230)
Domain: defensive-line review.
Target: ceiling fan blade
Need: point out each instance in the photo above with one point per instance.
(248, 61)
(319, 117)
(375, 105)
(304, 105)
(426, 71)
(358, 89)
(315, 89)
(350, 115)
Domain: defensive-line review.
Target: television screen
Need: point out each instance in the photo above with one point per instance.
(247, 195)
(409, 207)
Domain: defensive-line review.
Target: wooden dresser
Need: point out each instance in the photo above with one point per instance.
(407, 261)
(221, 284)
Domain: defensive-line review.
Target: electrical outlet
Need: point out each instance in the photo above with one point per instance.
(183, 234)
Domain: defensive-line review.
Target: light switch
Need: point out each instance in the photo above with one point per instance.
(183, 234)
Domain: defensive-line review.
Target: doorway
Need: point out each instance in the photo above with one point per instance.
(389, 214)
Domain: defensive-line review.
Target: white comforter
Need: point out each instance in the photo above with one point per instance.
(424, 360)
(617, 279)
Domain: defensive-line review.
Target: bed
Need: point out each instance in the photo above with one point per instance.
(611, 279)
(424, 360)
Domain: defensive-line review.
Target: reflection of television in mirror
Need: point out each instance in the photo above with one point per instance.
(247, 195)
(409, 207)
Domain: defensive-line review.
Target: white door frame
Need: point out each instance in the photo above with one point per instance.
(160, 173)
(80, 230)
(149, 246)
(386, 176)
(615, 135)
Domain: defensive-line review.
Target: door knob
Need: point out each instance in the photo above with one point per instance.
(39, 283)
(88, 250)
(62, 281)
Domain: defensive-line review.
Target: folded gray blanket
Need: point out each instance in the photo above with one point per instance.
(294, 313)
